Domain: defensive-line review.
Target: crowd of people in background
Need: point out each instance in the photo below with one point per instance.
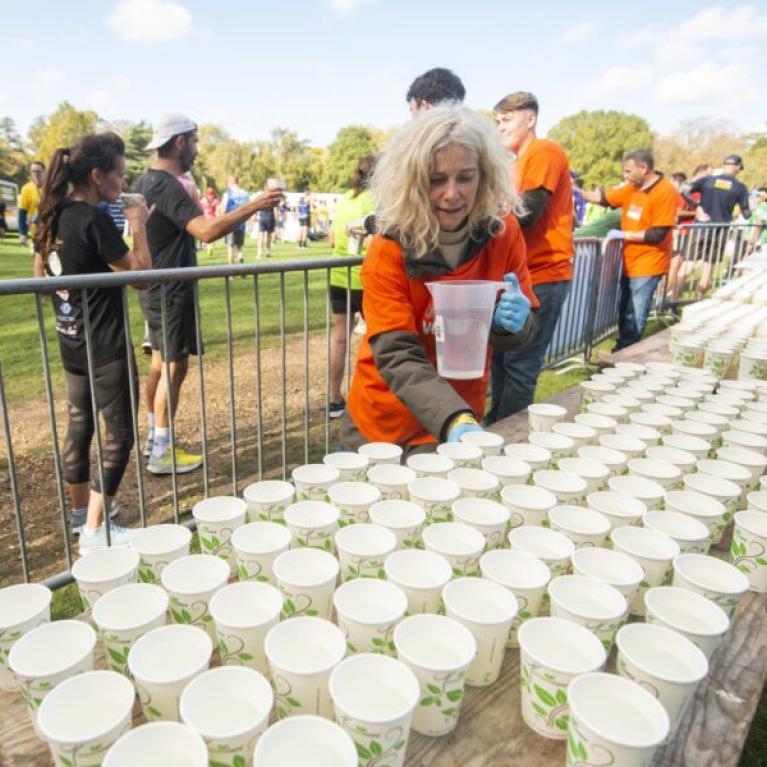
(452, 197)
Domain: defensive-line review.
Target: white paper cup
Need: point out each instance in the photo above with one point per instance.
(391, 480)
(374, 698)
(754, 462)
(583, 526)
(421, 575)
(191, 581)
(123, 615)
(719, 422)
(614, 719)
(589, 602)
(304, 740)
(722, 490)
(302, 652)
(23, 607)
(85, 715)
(613, 459)
(489, 518)
(535, 456)
(542, 416)
(256, 546)
(649, 492)
(102, 570)
(404, 518)
(527, 504)
(362, 550)
(665, 473)
(672, 674)
(748, 549)
(430, 464)
(580, 433)
(700, 448)
(459, 544)
(552, 548)
(229, 708)
(649, 426)
(612, 567)
(757, 501)
(243, 614)
(487, 609)
(489, 442)
(749, 426)
(158, 545)
(313, 480)
(552, 653)
(268, 499)
(557, 444)
(381, 452)
(630, 446)
(47, 655)
(734, 472)
(353, 500)
(475, 483)
(507, 470)
(689, 533)
(591, 391)
(217, 518)
(626, 401)
(620, 414)
(438, 651)
(602, 424)
(523, 575)
(462, 454)
(690, 614)
(312, 524)
(306, 578)
(619, 508)
(703, 508)
(352, 467)
(646, 434)
(594, 473)
(435, 496)
(684, 460)
(689, 428)
(368, 610)
(653, 551)
(716, 580)
(685, 403)
(565, 486)
(158, 744)
(163, 662)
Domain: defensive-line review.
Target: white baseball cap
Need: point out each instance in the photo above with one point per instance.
(168, 127)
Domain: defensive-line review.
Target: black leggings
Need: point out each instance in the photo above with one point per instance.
(114, 403)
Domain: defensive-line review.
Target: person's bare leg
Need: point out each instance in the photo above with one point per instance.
(268, 244)
(338, 355)
(671, 282)
(178, 372)
(705, 280)
(96, 509)
(78, 494)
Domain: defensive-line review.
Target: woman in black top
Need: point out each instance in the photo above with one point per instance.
(76, 237)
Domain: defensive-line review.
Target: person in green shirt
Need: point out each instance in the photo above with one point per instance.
(345, 283)
(759, 220)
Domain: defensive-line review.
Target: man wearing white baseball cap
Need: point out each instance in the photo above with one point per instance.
(171, 230)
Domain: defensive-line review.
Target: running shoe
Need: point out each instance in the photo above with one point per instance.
(336, 409)
(77, 518)
(185, 462)
(97, 539)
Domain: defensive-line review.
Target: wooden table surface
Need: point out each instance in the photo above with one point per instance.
(490, 731)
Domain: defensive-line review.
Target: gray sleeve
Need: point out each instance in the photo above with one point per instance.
(535, 202)
(401, 360)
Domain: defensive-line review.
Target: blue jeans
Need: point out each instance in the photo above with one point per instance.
(514, 375)
(636, 299)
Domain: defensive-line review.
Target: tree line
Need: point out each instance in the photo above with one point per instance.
(594, 140)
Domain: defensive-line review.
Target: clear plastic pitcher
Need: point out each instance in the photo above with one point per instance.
(463, 313)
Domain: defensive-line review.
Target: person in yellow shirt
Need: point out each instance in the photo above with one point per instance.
(29, 200)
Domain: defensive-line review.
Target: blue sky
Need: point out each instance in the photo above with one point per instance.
(316, 65)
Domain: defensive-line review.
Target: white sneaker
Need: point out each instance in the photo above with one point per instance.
(97, 539)
(77, 518)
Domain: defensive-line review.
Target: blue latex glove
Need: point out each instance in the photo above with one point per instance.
(513, 308)
(454, 435)
(615, 234)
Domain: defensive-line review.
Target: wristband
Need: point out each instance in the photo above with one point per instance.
(463, 418)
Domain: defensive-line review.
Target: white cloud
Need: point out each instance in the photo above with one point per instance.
(100, 100)
(619, 80)
(150, 21)
(345, 7)
(50, 75)
(719, 86)
(719, 23)
(578, 33)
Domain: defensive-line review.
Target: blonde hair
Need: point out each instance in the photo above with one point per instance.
(402, 177)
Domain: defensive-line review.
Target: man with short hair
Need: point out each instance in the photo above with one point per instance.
(434, 87)
(718, 197)
(29, 201)
(233, 198)
(176, 221)
(542, 177)
(648, 204)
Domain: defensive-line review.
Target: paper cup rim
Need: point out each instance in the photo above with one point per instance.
(450, 492)
(354, 486)
(304, 583)
(42, 590)
(568, 508)
(131, 735)
(403, 475)
(547, 410)
(210, 559)
(268, 591)
(662, 539)
(333, 473)
(357, 583)
(200, 635)
(562, 625)
(182, 530)
(375, 509)
(204, 510)
(438, 560)
(719, 509)
(459, 583)
(454, 625)
(547, 534)
(252, 527)
(89, 636)
(579, 554)
(274, 485)
(672, 621)
(379, 451)
(299, 723)
(682, 559)
(336, 637)
(439, 528)
(132, 563)
(342, 544)
(331, 514)
(742, 520)
(655, 516)
(561, 580)
(346, 460)
(119, 593)
(493, 507)
(542, 567)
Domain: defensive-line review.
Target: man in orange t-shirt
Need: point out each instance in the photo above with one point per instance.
(542, 177)
(648, 204)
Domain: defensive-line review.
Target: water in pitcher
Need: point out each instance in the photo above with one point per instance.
(465, 356)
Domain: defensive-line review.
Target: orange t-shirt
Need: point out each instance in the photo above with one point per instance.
(643, 209)
(394, 301)
(549, 240)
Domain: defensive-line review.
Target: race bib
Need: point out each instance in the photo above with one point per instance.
(634, 213)
(722, 183)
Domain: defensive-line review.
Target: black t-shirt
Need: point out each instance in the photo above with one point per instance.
(719, 195)
(87, 241)
(170, 244)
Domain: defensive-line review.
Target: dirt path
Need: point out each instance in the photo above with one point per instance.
(33, 452)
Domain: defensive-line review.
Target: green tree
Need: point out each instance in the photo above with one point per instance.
(13, 158)
(63, 127)
(596, 142)
(351, 143)
(137, 158)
